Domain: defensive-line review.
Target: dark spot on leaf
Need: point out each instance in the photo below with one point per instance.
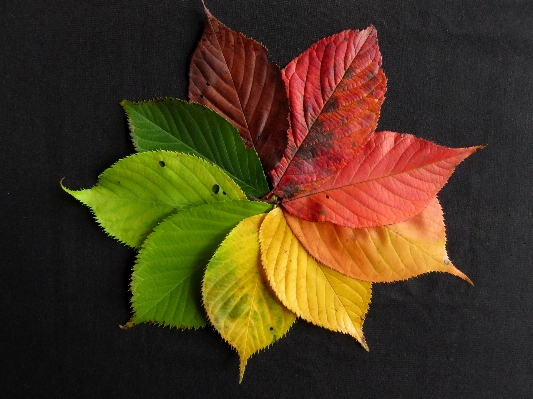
(327, 196)
(215, 188)
(332, 105)
(118, 182)
(207, 84)
(271, 328)
(162, 164)
(322, 212)
(201, 96)
(223, 192)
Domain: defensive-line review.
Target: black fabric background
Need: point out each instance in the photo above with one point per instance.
(460, 73)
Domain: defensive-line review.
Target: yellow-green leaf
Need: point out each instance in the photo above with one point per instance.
(313, 291)
(380, 254)
(236, 297)
(139, 191)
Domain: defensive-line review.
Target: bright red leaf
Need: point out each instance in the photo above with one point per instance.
(391, 179)
(230, 74)
(336, 89)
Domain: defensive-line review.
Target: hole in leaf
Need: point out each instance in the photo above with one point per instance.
(162, 164)
(215, 188)
(223, 192)
(201, 96)
(207, 84)
(271, 328)
(327, 196)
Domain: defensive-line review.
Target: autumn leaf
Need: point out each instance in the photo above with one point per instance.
(380, 254)
(166, 280)
(313, 291)
(391, 179)
(230, 74)
(175, 125)
(336, 89)
(236, 297)
(139, 191)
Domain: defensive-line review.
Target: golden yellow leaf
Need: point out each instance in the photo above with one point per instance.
(237, 299)
(380, 254)
(313, 291)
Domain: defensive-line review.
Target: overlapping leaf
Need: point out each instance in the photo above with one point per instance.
(336, 89)
(230, 73)
(166, 284)
(175, 125)
(391, 179)
(139, 191)
(380, 254)
(313, 291)
(236, 297)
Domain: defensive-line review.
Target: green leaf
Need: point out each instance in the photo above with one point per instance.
(139, 191)
(237, 298)
(175, 125)
(167, 277)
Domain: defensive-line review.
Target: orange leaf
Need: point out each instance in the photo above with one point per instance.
(380, 254)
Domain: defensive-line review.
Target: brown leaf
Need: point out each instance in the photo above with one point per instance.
(230, 73)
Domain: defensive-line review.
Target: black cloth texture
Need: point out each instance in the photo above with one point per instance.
(460, 73)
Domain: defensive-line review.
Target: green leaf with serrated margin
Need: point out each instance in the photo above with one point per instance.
(237, 298)
(139, 191)
(167, 278)
(175, 125)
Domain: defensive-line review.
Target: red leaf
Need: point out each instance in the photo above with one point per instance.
(391, 179)
(230, 73)
(335, 89)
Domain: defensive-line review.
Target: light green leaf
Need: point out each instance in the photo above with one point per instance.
(191, 128)
(238, 301)
(139, 191)
(167, 278)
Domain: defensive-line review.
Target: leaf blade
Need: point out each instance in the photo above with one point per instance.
(136, 193)
(175, 125)
(236, 297)
(230, 74)
(380, 254)
(336, 89)
(313, 291)
(391, 179)
(167, 277)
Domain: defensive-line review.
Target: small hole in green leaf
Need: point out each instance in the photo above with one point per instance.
(215, 188)
(223, 192)
(162, 164)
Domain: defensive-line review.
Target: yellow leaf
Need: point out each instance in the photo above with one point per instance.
(237, 299)
(380, 254)
(313, 291)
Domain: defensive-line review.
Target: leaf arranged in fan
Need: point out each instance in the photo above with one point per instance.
(336, 89)
(380, 254)
(391, 179)
(230, 73)
(313, 291)
(238, 301)
(175, 125)
(166, 283)
(139, 191)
